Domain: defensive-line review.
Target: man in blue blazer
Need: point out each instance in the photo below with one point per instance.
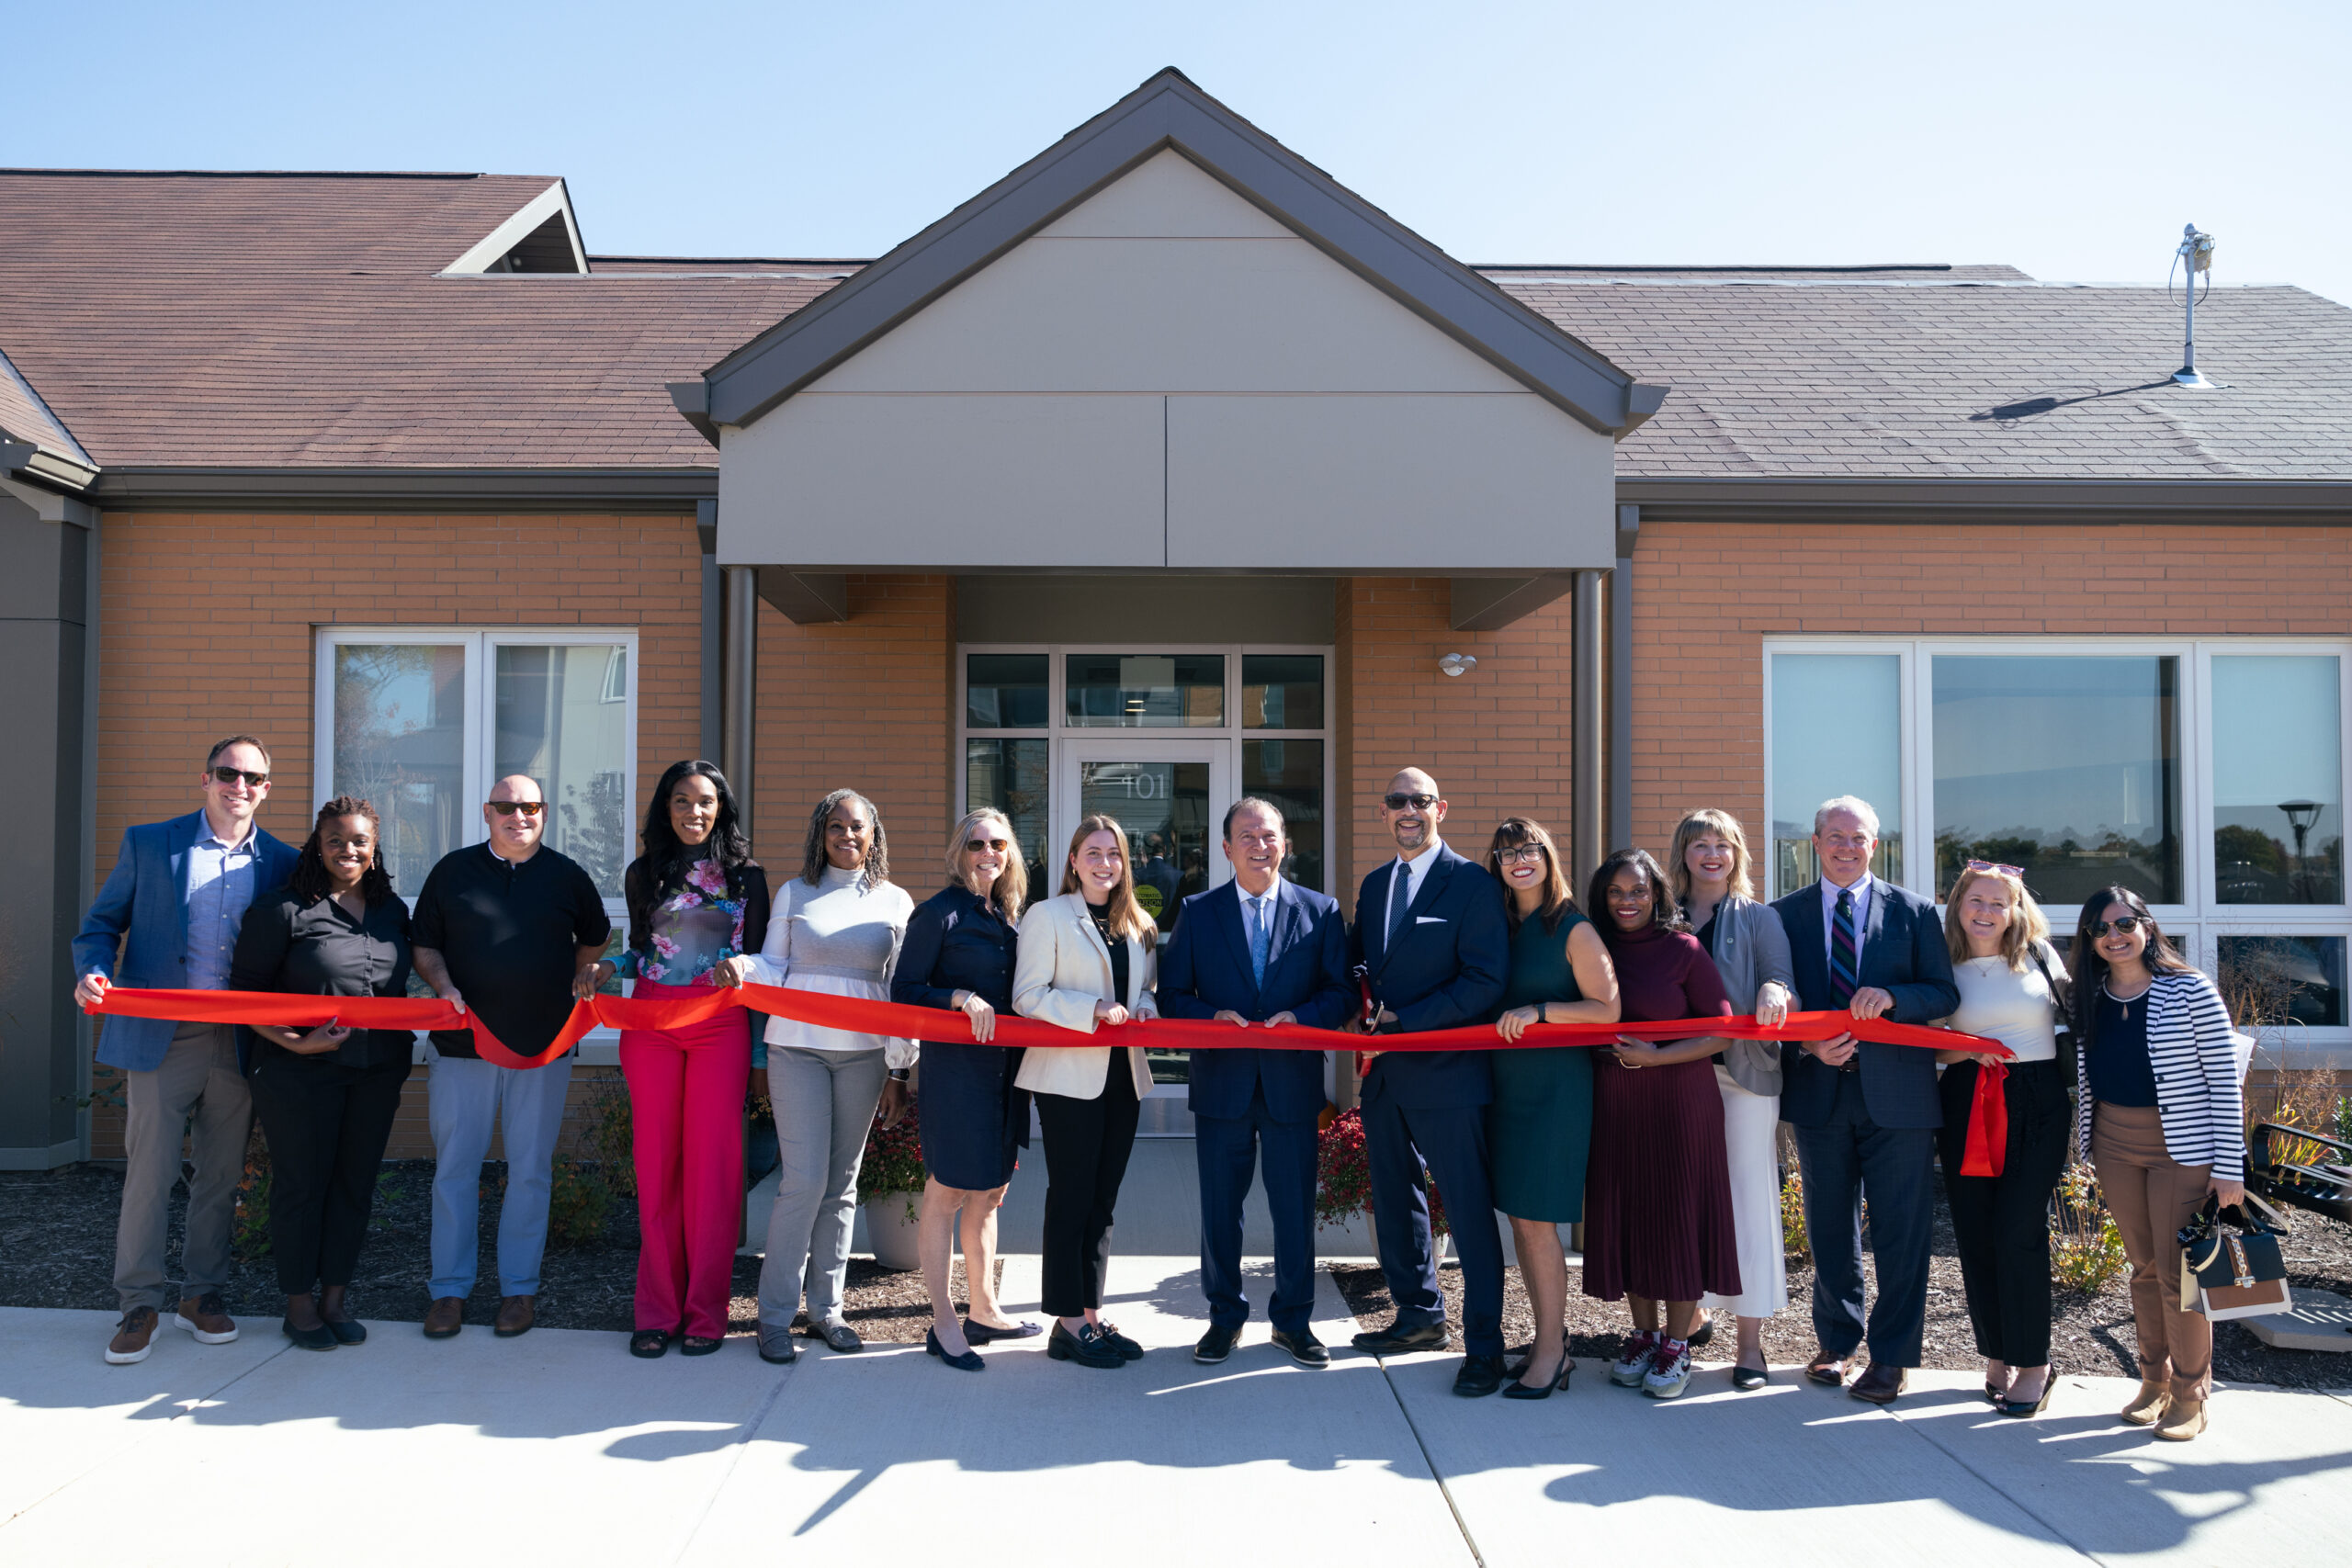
(1433, 951)
(179, 893)
(1258, 950)
(1865, 1115)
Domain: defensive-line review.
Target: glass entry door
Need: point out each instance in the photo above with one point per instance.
(1171, 797)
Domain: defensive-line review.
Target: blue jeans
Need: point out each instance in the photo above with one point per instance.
(466, 1098)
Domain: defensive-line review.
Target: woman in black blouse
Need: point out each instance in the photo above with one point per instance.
(958, 954)
(326, 1096)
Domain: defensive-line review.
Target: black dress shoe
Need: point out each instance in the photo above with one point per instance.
(1746, 1379)
(1479, 1376)
(346, 1330)
(1127, 1348)
(1304, 1347)
(970, 1361)
(319, 1338)
(1517, 1387)
(1216, 1345)
(2019, 1409)
(1087, 1347)
(1395, 1341)
(1881, 1384)
(982, 1334)
(1827, 1369)
(1701, 1334)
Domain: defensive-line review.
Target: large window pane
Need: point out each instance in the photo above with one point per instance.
(2274, 980)
(2069, 767)
(1836, 729)
(1146, 691)
(1004, 691)
(1010, 777)
(562, 718)
(2277, 780)
(1164, 807)
(1290, 773)
(1282, 691)
(399, 742)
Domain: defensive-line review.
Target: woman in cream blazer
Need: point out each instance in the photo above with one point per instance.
(1087, 958)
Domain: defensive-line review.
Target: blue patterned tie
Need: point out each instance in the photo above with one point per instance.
(1844, 952)
(1258, 939)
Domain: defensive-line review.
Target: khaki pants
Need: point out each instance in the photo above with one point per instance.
(2152, 1196)
(197, 1092)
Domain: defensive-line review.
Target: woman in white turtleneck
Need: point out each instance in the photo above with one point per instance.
(835, 928)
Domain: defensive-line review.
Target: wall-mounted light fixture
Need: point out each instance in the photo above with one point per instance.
(1458, 664)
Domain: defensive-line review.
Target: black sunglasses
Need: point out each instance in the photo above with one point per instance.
(230, 775)
(2127, 925)
(1418, 802)
(508, 807)
(974, 846)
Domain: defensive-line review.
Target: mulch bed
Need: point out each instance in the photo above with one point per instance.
(2091, 1334)
(57, 1250)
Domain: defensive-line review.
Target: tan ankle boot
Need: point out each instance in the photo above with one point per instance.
(2147, 1407)
(2184, 1419)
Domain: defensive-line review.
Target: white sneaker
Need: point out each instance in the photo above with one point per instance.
(1634, 1361)
(1668, 1376)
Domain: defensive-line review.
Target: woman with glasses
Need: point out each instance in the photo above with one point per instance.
(960, 948)
(2161, 1112)
(1750, 949)
(2013, 989)
(1539, 1125)
(1658, 1227)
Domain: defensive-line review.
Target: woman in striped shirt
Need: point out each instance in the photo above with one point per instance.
(2161, 1112)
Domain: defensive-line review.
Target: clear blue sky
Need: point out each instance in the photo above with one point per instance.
(2072, 140)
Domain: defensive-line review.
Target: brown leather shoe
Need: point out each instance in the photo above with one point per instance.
(134, 1337)
(1827, 1369)
(515, 1316)
(1879, 1383)
(206, 1317)
(444, 1318)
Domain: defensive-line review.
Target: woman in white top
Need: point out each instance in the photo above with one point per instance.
(2012, 990)
(1087, 958)
(835, 929)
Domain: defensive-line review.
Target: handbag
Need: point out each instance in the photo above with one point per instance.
(2230, 1262)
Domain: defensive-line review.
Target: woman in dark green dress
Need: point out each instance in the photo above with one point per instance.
(1539, 1125)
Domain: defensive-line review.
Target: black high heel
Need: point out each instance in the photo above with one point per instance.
(1560, 1380)
(2018, 1409)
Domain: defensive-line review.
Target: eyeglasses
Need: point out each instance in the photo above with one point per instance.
(2127, 925)
(1399, 802)
(974, 846)
(230, 775)
(527, 807)
(2015, 871)
(1520, 854)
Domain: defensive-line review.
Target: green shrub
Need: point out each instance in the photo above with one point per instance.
(2086, 1249)
(250, 1237)
(1795, 1242)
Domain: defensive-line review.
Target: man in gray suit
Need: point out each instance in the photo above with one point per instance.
(179, 893)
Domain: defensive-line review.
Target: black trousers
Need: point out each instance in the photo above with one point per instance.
(1087, 1145)
(327, 1124)
(2002, 1223)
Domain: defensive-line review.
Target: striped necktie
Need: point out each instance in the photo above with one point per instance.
(1844, 953)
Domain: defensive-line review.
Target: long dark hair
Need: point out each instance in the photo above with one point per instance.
(1556, 901)
(668, 857)
(310, 880)
(1665, 914)
(2089, 971)
(813, 859)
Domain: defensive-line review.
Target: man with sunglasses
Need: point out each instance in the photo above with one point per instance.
(512, 931)
(1432, 949)
(170, 912)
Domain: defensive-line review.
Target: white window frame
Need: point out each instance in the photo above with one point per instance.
(2197, 922)
(600, 1048)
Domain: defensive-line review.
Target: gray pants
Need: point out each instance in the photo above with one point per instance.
(824, 1103)
(198, 1091)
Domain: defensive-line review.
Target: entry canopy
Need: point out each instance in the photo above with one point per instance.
(1166, 344)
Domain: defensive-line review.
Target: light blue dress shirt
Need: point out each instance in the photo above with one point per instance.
(220, 890)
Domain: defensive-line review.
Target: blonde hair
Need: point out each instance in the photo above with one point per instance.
(2028, 926)
(1724, 825)
(1011, 889)
(1127, 918)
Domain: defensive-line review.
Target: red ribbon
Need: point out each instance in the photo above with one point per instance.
(1987, 1130)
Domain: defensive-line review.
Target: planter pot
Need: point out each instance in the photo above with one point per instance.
(890, 1222)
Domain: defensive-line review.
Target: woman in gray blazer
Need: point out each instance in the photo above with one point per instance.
(1751, 948)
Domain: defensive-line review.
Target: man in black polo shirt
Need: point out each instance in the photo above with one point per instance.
(513, 931)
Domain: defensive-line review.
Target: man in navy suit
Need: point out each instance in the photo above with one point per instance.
(1258, 950)
(169, 914)
(1865, 1115)
(1434, 951)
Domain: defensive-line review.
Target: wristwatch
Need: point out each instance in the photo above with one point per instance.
(898, 1075)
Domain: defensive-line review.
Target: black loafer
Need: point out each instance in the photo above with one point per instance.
(649, 1343)
(1216, 1345)
(978, 1333)
(1395, 1341)
(1127, 1348)
(1093, 1350)
(1304, 1347)
(1479, 1376)
(320, 1339)
(1746, 1379)
(347, 1330)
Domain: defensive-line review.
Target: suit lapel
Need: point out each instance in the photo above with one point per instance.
(1873, 926)
(1085, 917)
(176, 845)
(1808, 950)
(1290, 918)
(1432, 884)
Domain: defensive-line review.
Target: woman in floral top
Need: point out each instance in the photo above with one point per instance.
(695, 899)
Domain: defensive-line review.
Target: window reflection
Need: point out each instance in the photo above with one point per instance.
(1004, 691)
(2277, 781)
(1282, 691)
(560, 722)
(2069, 767)
(2269, 981)
(399, 717)
(1146, 691)
(1010, 777)
(1290, 773)
(1836, 729)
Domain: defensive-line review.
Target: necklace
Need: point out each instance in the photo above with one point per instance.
(2124, 1002)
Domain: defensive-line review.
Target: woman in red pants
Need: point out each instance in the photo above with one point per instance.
(695, 899)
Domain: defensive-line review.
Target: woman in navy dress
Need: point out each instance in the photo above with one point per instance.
(958, 955)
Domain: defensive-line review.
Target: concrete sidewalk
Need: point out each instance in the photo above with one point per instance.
(560, 1448)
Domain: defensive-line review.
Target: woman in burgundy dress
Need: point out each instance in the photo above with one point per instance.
(1658, 1202)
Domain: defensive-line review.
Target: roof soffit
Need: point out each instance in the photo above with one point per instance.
(1168, 111)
